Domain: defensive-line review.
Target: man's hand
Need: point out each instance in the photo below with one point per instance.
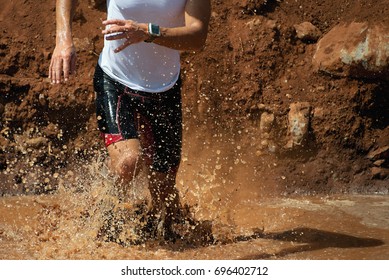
(131, 31)
(63, 63)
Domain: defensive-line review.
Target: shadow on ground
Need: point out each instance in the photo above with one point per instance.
(311, 240)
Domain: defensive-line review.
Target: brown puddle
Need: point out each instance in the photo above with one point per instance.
(342, 227)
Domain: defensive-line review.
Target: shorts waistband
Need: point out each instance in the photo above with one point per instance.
(143, 94)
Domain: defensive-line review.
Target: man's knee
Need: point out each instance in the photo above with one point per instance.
(125, 159)
(126, 166)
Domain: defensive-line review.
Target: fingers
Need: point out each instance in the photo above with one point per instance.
(50, 70)
(132, 32)
(120, 27)
(123, 46)
(114, 21)
(116, 36)
(113, 29)
(117, 33)
(55, 71)
(69, 66)
(115, 26)
(66, 69)
(62, 65)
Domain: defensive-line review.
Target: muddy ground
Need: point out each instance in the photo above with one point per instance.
(48, 132)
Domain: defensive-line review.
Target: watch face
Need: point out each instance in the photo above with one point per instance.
(154, 30)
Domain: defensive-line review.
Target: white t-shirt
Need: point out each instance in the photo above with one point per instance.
(144, 66)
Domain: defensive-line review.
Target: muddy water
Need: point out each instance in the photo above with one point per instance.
(66, 225)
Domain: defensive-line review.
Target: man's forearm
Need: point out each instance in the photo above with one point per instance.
(64, 17)
(192, 40)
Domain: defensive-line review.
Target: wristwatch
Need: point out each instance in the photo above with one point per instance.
(154, 32)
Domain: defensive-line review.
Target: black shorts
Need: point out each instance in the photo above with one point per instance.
(153, 118)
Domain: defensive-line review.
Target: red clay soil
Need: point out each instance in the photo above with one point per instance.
(241, 73)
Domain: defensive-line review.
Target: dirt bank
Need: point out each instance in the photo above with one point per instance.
(253, 64)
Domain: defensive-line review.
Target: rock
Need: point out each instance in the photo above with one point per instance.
(354, 50)
(307, 32)
(380, 153)
(262, 107)
(379, 173)
(271, 24)
(298, 123)
(253, 23)
(265, 126)
(379, 162)
(266, 123)
(258, 21)
(319, 113)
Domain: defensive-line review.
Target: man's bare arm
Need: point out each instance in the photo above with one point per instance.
(193, 35)
(63, 61)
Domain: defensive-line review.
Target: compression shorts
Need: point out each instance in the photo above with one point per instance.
(153, 118)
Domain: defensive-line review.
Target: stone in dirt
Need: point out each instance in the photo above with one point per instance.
(380, 173)
(307, 32)
(354, 50)
(265, 126)
(298, 124)
(380, 153)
